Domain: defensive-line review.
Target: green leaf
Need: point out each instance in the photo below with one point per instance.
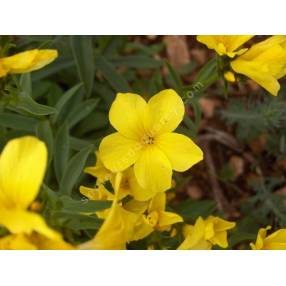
(140, 62)
(62, 151)
(63, 100)
(95, 121)
(45, 133)
(81, 111)
(206, 77)
(58, 65)
(73, 170)
(208, 71)
(26, 83)
(78, 144)
(239, 237)
(190, 210)
(175, 78)
(27, 104)
(116, 80)
(83, 54)
(82, 206)
(19, 122)
(78, 222)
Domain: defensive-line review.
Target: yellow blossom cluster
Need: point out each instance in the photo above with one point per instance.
(138, 161)
(263, 62)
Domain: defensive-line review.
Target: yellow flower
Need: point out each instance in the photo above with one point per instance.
(195, 237)
(34, 241)
(216, 230)
(99, 171)
(128, 184)
(155, 218)
(145, 139)
(264, 63)
(205, 233)
(26, 61)
(117, 229)
(274, 241)
(225, 44)
(156, 215)
(99, 193)
(22, 167)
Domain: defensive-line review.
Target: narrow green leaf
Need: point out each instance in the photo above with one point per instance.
(73, 170)
(95, 121)
(62, 151)
(175, 78)
(116, 80)
(78, 144)
(140, 62)
(76, 206)
(63, 100)
(58, 65)
(27, 104)
(18, 122)
(78, 222)
(45, 133)
(191, 210)
(81, 111)
(83, 54)
(26, 83)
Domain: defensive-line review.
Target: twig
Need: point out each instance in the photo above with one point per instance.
(230, 142)
(217, 191)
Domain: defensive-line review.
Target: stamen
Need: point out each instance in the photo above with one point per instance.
(147, 140)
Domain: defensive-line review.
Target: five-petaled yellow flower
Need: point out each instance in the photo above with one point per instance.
(145, 139)
(274, 241)
(225, 44)
(22, 168)
(205, 233)
(264, 62)
(26, 61)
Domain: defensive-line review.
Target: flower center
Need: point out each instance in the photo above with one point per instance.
(125, 184)
(152, 218)
(148, 140)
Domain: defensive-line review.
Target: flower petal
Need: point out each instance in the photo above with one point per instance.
(224, 44)
(118, 152)
(219, 223)
(99, 171)
(157, 203)
(28, 61)
(116, 231)
(182, 152)
(127, 115)
(153, 171)
(137, 191)
(195, 237)
(16, 242)
(279, 235)
(21, 221)
(22, 167)
(168, 218)
(254, 71)
(166, 112)
(220, 239)
(142, 229)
